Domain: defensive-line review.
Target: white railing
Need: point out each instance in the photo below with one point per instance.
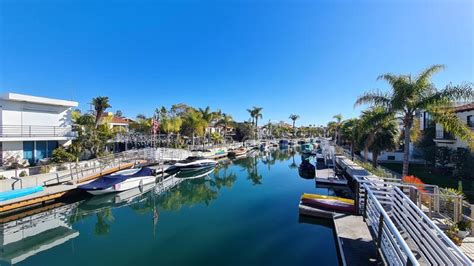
(420, 234)
(12, 131)
(390, 242)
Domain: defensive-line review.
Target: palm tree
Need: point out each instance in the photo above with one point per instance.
(196, 123)
(255, 114)
(294, 118)
(100, 105)
(207, 116)
(337, 127)
(410, 95)
(377, 131)
(225, 121)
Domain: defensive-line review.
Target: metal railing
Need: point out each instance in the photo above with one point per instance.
(389, 209)
(389, 241)
(11, 131)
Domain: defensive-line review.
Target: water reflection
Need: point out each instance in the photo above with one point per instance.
(41, 229)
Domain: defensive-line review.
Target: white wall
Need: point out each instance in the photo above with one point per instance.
(12, 148)
(21, 113)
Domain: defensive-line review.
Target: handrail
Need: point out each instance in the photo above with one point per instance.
(393, 229)
(436, 228)
(35, 131)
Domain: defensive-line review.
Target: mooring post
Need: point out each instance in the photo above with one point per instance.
(365, 206)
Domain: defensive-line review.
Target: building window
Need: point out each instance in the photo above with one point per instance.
(33, 151)
(470, 121)
(29, 151)
(391, 158)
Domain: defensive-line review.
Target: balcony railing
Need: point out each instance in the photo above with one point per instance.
(15, 131)
(441, 134)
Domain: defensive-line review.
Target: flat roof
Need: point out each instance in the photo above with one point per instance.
(35, 99)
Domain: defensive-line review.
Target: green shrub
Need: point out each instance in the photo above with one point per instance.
(464, 225)
(60, 155)
(23, 174)
(45, 169)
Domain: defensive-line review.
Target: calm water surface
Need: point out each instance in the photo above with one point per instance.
(243, 213)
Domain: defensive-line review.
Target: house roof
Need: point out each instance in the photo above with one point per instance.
(115, 119)
(35, 99)
(464, 108)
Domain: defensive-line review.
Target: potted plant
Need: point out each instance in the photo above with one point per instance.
(452, 233)
(464, 228)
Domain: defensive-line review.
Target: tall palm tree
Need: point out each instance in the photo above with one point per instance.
(410, 95)
(100, 106)
(257, 113)
(225, 121)
(337, 130)
(208, 116)
(377, 131)
(294, 118)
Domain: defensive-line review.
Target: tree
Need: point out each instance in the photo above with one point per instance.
(255, 114)
(443, 156)
(337, 127)
(410, 95)
(194, 124)
(100, 106)
(377, 132)
(225, 121)
(118, 113)
(294, 118)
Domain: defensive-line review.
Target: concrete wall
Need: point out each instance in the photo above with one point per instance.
(21, 113)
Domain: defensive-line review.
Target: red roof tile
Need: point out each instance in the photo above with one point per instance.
(464, 108)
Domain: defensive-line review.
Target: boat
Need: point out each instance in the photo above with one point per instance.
(283, 143)
(318, 196)
(329, 205)
(315, 212)
(193, 174)
(307, 148)
(191, 163)
(237, 152)
(306, 170)
(13, 194)
(120, 182)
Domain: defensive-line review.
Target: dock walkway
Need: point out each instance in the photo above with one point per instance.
(357, 243)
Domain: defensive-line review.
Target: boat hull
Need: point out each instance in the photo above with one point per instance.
(125, 185)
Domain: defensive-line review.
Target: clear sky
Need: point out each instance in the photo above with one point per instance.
(311, 58)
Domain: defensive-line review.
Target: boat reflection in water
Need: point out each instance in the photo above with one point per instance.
(307, 170)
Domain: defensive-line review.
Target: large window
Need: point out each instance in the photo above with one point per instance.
(33, 151)
(470, 121)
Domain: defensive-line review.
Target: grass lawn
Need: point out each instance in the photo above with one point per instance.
(427, 176)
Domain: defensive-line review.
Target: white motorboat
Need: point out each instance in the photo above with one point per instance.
(120, 181)
(191, 163)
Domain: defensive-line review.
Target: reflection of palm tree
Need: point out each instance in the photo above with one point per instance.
(104, 218)
(293, 164)
(189, 192)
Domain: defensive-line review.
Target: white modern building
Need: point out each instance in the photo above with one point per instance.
(465, 113)
(32, 127)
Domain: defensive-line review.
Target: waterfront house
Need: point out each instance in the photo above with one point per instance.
(465, 113)
(32, 127)
(117, 124)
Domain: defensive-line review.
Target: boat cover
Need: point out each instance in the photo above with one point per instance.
(110, 180)
(19, 192)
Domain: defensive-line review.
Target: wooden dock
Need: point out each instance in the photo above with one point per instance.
(356, 242)
(54, 192)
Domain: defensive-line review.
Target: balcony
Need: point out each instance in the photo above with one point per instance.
(30, 131)
(444, 137)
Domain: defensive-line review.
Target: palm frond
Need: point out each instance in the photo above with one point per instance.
(452, 124)
(376, 97)
(449, 95)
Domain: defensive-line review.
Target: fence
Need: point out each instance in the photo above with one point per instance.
(399, 224)
(7, 131)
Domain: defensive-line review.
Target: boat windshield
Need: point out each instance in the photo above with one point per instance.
(192, 159)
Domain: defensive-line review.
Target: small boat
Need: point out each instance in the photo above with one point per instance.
(307, 148)
(191, 163)
(13, 194)
(193, 174)
(318, 196)
(306, 170)
(283, 143)
(329, 205)
(315, 212)
(237, 152)
(120, 182)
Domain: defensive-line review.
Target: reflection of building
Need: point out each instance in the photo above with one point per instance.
(32, 127)
(27, 236)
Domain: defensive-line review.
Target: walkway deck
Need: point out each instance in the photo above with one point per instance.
(357, 243)
(54, 192)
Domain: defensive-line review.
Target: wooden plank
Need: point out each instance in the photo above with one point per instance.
(29, 202)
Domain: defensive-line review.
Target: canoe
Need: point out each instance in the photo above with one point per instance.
(13, 194)
(315, 212)
(317, 196)
(329, 205)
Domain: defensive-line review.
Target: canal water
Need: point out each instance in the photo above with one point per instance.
(245, 212)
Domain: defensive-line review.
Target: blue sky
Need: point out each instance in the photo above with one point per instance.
(311, 58)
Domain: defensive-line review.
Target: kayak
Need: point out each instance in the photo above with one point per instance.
(329, 205)
(317, 196)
